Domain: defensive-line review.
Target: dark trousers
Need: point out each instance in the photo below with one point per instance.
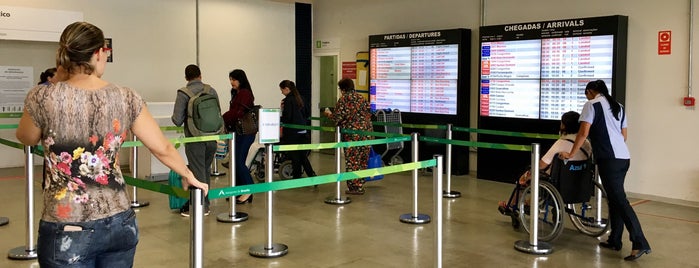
(299, 159)
(613, 172)
(200, 155)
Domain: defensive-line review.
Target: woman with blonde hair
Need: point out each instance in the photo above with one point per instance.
(81, 123)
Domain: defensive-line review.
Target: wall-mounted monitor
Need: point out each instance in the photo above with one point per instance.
(425, 75)
(418, 72)
(533, 72)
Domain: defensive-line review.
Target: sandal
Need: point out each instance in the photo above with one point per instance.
(354, 191)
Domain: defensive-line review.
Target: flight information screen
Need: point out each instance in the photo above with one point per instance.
(419, 79)
(542, 78)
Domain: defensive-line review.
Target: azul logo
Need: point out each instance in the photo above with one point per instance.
(576, 168)
(4, 14)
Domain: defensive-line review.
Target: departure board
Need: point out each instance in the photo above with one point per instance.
(415, 72)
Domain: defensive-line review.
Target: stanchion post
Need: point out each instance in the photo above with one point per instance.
(448, 193)
(414, 217)
(232, 215)
(534, 246)
(196, 228)
(269, 249)
(27, 252)
(134, 166)
(214, 168)
(437, 179)
(337, 199)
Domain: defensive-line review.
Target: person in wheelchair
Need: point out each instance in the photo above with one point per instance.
(568, 130)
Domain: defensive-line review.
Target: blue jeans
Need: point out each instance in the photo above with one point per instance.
(108, 242)
(242, 146)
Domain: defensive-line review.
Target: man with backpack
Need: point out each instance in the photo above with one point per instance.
(198, 108)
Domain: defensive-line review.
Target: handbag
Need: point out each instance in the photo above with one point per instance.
(375, 161)
(248, 123)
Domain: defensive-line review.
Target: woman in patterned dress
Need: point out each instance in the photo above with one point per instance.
(352, 111)
(81, 123)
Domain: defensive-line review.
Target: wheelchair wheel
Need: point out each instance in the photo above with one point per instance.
(592, 217)
(257, 171)
(550, 218)
(286, 170)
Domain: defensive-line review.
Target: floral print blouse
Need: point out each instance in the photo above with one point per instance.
(352, 111)
(82, 132)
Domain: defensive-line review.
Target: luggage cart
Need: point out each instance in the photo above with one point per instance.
(391, 116)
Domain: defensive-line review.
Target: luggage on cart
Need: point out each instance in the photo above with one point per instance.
(391, 154)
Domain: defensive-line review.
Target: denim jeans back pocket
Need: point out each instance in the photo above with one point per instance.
(129, 235)
(72, 246)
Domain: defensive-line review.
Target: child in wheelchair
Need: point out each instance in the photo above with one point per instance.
(568, 130)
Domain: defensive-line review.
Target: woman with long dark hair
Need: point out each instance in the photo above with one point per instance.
(603, 119)
(242, 100)
(294, 112)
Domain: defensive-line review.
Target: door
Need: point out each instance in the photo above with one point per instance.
(328, 94)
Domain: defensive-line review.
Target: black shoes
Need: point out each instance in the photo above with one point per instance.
(249, 200)
(610, 246)
(638, 254)
(358, 191)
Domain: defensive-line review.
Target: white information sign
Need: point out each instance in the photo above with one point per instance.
(33, 24)
(269, 125)
(15, 83)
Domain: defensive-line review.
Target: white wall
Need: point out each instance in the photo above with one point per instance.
(154, 40)
(664, 152)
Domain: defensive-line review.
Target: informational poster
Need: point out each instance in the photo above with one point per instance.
(269, 125)
(15, 83)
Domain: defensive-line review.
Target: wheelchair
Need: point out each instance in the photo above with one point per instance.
(572, 187)
(281, 164)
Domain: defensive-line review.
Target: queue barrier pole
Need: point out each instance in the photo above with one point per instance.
(438, 218)
(533, 246)
(232, 215)
(415, 218)
(269, 249)
(214, 168)
(134, 202)
(27, 252)
(337, 199)
(448, 193)
(196, 228)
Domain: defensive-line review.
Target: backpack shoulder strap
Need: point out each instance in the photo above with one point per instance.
(187, 92)
(581, 149)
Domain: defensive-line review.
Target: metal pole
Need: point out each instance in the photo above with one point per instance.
(448, 193)
(269, 249)
(337, 199)
(437, 179)
(134, 165)
(415, 218)
(232, 215)
(533, 246)
(27, 252)
(214, 168)
(599, 221)
(196, 229)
